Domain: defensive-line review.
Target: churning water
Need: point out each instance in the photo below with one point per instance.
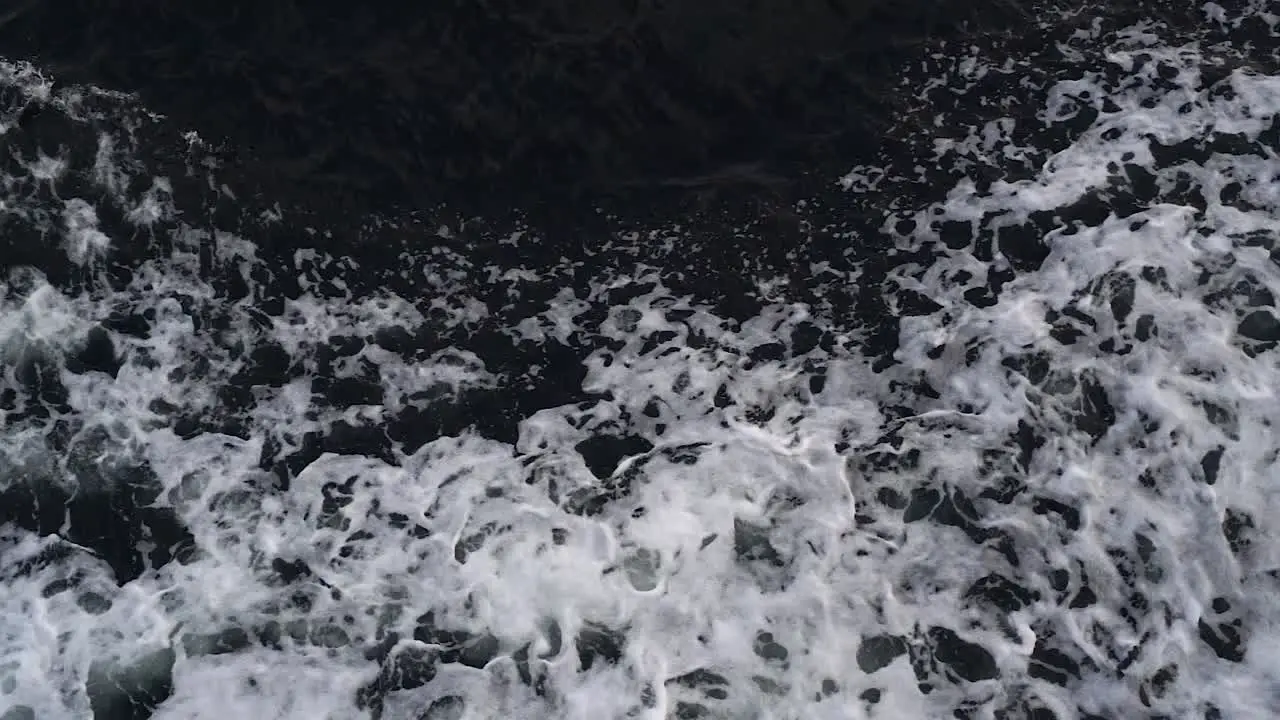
(465, 482)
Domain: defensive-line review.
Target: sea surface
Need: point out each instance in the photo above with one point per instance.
(997, 442)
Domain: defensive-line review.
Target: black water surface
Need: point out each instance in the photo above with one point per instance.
(498, 103)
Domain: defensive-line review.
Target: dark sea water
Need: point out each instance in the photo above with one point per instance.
(946, 393)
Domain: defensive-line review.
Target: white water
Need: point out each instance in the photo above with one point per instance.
(759, 559)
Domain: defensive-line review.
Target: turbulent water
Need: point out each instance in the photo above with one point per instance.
(1005, 452)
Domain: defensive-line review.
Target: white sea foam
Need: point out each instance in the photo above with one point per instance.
(1061, 499)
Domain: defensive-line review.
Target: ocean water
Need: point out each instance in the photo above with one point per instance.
(1007, 451)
